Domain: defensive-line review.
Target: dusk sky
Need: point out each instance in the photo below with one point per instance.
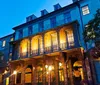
(14, 12)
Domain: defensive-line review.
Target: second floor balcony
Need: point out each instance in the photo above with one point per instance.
(63, 38)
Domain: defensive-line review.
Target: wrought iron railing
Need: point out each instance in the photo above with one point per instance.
(49, 49)
(24, 55)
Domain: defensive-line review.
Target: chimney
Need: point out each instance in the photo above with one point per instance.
(31, 17)
(57, 6)
(44, 12)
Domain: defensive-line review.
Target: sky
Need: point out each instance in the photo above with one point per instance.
(14, 12)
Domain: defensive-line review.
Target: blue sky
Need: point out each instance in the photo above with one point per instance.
(14, 12)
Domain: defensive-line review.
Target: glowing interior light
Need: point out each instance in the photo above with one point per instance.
(41, 69)
(60, 64)
(15, 72)
(50, 68)
(47, 72)
(5, 72)
(46, 66)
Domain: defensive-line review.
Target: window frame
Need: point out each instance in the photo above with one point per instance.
(85, 11)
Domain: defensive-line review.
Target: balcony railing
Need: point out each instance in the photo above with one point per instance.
(24, 55)
(49, 49)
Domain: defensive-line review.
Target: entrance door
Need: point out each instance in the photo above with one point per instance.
(28, 75)
(61, 74)
(77, 72)
(40, 78)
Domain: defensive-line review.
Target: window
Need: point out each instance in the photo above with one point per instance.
(53, 21)
(18, 78)
(28, 75)
(20, 33)
(85, 10)
(12, 39)
(67, 17)
(4, 43)
(30, 30)
(41, 26)
(70, 38)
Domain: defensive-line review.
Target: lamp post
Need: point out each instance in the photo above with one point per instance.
(14, 73)
(50, 68)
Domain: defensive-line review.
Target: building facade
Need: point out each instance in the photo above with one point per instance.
(4, 55)
(49, 50)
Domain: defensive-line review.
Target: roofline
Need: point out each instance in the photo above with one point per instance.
(7, 36)
(45, 16)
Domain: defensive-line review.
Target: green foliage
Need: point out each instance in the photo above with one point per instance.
(92, 29)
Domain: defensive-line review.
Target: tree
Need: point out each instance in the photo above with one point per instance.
(92, 29)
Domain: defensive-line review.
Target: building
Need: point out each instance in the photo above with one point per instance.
(49, 50)
(4, 57)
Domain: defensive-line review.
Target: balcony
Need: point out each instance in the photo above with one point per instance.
(67, 39)
(51, 49)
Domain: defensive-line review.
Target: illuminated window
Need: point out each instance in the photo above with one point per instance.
(61, 73)
(41, 45)
(28, 73)
(11, 39)
(85, 10)
(70, 38)
(54, 41)
(4, 43)
(39, 75)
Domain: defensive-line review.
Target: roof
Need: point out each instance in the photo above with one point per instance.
(7, 36)
(47, 15)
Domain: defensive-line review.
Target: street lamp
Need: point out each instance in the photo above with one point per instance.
(15, 72)
(50, 68)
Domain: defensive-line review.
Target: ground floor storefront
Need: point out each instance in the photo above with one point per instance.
(59, 68)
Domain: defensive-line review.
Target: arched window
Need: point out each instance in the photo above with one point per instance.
(28, 75)
(24, 48)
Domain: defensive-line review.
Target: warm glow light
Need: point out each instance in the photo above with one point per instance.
(60, 64)
(41, 69)
(50, 68)
(46, 66)
(24, 50)
(5, 72)
(15, 72)
(47, 73)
